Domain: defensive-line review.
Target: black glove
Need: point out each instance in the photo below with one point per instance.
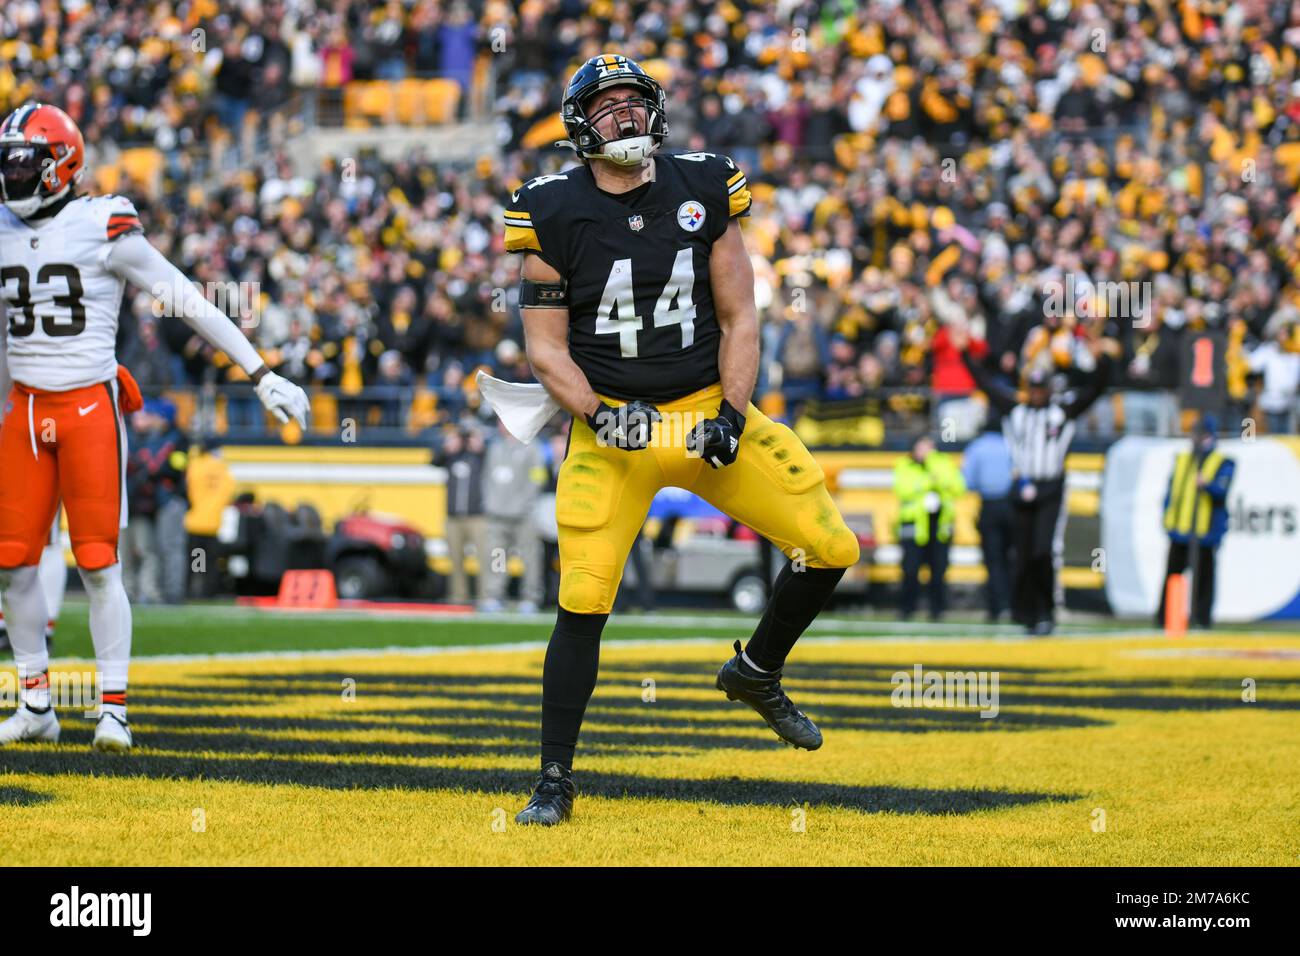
(717, 440)
(627, 427)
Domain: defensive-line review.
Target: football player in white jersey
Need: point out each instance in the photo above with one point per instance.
(64, 262)
(54, 581)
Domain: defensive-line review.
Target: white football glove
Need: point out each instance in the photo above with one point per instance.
(283, 399)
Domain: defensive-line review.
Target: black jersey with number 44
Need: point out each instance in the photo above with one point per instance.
(641, 318)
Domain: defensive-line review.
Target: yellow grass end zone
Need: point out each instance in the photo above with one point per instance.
(1135, 751)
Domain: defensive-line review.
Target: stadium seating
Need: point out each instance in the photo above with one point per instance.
(881, 203)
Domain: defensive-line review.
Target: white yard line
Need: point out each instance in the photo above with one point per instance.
(683, 621)
(701, 641)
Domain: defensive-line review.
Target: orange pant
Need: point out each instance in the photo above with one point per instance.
(68, 445)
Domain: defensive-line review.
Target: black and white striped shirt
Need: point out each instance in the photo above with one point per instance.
(1038, 439)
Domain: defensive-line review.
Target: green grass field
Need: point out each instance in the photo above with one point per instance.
(356, 739)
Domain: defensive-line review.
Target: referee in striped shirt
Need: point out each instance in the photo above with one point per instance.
(1038, 430)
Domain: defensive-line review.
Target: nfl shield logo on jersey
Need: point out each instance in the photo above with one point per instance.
(690, 215)
(635, 223)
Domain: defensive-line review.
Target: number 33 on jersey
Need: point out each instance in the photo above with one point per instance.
(641, 318)
(62, 300)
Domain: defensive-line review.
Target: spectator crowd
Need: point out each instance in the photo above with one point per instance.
(999, 170)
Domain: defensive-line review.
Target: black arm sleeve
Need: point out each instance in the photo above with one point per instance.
(1084, 398)
(1000, 396)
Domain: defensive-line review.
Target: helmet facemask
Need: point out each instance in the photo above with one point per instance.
(634, 146)
(28, 178)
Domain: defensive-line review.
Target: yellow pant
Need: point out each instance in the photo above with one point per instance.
(775, 486)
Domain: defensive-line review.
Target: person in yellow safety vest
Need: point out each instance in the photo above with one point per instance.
(928, 484)
(1196, 514)
(211, 487)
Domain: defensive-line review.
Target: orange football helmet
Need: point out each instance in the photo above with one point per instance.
(42, 157)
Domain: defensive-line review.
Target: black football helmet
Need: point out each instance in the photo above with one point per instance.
(600, 73)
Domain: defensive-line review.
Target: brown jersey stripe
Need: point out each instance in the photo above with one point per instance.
(121, 228)
(121, 472)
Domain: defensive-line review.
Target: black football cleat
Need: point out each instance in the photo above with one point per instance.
(552, 800)
(765, 695)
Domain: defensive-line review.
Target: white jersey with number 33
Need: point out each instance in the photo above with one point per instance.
(61, 298)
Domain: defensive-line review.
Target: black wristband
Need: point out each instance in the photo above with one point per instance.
(593, 419)
(543, 295)
(728, 412)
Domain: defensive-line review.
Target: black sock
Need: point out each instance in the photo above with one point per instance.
(797, 598)
(568, 678)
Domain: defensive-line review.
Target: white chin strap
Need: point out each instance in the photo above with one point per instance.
(632, 151)
(26, 208)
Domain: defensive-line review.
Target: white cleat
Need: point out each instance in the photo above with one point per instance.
(112, 735)
(27, 725)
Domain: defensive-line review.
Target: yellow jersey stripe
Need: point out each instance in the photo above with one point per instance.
(516, 214)
(739, 175)
(519, 238)
(738, 202)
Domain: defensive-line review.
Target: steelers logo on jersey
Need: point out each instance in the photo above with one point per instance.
(690, 215)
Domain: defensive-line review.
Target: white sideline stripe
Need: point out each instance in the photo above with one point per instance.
(682, 622)
(959, 555)
(1076, 479)
(338, 474)
(831, 639)
(1083, 481)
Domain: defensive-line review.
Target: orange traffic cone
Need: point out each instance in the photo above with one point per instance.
(1176, 605)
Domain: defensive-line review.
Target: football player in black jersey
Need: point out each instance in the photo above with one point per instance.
(639, 315)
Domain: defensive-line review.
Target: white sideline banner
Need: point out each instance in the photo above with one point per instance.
(1258, 569)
